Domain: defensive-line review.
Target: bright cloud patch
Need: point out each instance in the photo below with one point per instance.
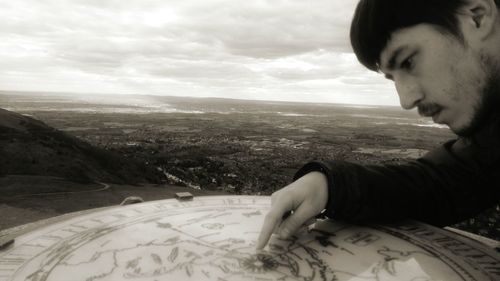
(260, 49)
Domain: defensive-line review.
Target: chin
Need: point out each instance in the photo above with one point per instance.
(464, 130)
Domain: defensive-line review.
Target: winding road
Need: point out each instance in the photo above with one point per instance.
(104, 187)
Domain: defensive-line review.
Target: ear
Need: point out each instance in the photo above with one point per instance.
(478, 18)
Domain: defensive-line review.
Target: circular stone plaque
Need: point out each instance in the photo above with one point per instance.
(213, 238)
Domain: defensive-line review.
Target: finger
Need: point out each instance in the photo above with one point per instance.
(271, 220)
(299, 218)
(284, 217)
(309, 221)
(281, 206)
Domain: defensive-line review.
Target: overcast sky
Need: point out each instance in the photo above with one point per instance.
(293, 50)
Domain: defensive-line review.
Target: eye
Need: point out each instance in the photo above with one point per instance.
(408, 63)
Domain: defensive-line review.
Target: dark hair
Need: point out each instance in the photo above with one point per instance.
(375, 20)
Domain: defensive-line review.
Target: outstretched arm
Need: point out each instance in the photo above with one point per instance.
(449, 184)
(452, 183)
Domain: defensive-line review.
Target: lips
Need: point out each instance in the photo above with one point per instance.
(435, 116)
(429, 111)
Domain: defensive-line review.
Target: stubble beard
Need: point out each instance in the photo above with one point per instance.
(486, 111)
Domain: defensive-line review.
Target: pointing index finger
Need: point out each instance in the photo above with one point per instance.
(280, 206)
(279, 209)
(270, 222)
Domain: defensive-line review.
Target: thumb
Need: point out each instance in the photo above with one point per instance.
(291, 224)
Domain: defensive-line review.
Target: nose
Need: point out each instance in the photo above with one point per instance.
(409, 92)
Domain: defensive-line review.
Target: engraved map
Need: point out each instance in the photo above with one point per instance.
(213, 238)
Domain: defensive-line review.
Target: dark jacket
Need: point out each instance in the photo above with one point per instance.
(447, 185)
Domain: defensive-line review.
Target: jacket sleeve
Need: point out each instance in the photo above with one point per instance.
(447, 185)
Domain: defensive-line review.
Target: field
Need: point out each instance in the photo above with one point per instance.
(239, 147)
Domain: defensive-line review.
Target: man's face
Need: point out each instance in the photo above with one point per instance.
(440, 75)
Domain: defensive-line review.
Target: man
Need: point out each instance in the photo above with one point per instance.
(444, 59)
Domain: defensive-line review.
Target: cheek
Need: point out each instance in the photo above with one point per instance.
(455, 93)
(442, 79)
(442, 88)
(467, 80)
(453, 80)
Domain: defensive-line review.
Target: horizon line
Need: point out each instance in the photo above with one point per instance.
(7, 91)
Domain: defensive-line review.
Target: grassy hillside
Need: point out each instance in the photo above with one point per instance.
(30, 147)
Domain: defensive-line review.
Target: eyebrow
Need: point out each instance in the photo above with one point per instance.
(391, 64)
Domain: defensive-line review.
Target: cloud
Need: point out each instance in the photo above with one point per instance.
(230, 48)
(269, 29)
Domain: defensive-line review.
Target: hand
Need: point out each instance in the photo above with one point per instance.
(306, 197)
